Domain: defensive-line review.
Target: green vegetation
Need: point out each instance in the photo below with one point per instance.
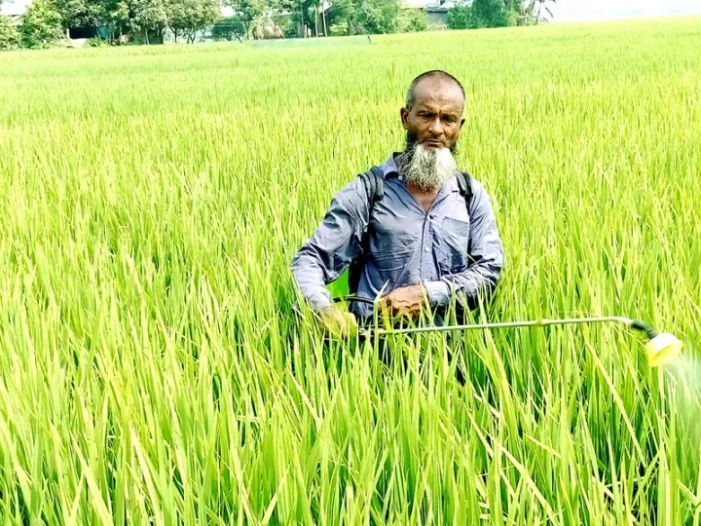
(148, 21)
(477, 14)
(9, 36)
(41, 25)
(150, 366)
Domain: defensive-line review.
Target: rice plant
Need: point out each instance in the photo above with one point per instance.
(151, 368)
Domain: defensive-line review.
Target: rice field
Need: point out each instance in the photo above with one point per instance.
(151, 371)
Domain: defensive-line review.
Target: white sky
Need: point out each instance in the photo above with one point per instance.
(573, 10)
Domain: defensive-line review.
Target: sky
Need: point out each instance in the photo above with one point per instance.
(577, 10)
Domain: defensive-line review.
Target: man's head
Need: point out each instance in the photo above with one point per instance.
(432, 118)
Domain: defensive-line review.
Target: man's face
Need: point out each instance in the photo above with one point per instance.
(436, 118)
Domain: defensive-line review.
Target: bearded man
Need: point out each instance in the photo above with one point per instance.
(422, 243)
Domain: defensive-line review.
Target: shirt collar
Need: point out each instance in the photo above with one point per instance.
(389, 167)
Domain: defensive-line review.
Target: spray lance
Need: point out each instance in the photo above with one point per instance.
(660, 348)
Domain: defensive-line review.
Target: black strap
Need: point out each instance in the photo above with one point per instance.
(373, 181)
(465, 187)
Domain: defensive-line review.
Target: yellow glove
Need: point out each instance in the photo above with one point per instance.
(337, 323)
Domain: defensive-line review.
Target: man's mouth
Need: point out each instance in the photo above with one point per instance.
(434, 144)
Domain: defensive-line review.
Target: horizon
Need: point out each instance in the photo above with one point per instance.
(563, 11)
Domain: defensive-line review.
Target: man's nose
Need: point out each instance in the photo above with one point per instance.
(436, 127)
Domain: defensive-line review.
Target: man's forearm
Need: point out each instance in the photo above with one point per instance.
(309, 277)
(475, 282)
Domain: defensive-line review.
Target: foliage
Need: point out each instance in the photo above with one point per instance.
(489, 13)
(117, 17)
(142, 20)
(287, 22)
(301, 12)
(412, 21)
(338, 30)
(9, 36)
(97, 42)
(80, 13)
(365, 16)
(187, 17)
(229, 28)
(249, 10)
(473, 14)
(41, 25)
(149, 16)
(152, 370)
(460, 16)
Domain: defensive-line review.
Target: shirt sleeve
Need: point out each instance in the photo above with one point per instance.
(333, 246)
(486, 256)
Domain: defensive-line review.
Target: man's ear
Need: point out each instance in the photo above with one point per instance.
(404, 113)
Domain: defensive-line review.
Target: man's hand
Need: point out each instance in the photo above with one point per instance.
(405, 301)
(337, 323)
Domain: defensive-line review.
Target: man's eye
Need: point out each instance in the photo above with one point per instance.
(449, 119)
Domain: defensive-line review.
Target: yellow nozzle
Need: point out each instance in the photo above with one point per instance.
(662, 349)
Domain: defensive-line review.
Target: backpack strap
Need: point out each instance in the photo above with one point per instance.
(374, 183)
(465, 187)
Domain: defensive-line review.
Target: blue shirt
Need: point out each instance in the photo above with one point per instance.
(450, 250)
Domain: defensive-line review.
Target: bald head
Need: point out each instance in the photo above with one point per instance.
(432, 81)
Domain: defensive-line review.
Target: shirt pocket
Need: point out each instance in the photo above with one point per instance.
(391, 262)
(452, 250)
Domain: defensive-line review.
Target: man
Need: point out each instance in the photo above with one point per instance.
(426, 245)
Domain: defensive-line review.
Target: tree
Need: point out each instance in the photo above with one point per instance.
(116, 16)
(80, 13)
(460, 17)
(41, 25)
(190, 16)
(302, 12)
(527, 12)
(490, 13)
(535, 8)
(150, 16)
(497, 13)
(249, 10)
(9, 36)
(412, 21)
(228, 28)
(365, 16)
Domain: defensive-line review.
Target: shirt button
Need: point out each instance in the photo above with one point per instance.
(426, 249)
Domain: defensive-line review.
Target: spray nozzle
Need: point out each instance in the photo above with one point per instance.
(660, 348)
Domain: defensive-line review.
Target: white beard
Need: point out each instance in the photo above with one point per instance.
(429, 168)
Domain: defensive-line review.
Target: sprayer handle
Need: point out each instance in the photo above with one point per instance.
(647, 329)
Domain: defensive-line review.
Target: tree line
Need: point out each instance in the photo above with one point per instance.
(47, 22)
